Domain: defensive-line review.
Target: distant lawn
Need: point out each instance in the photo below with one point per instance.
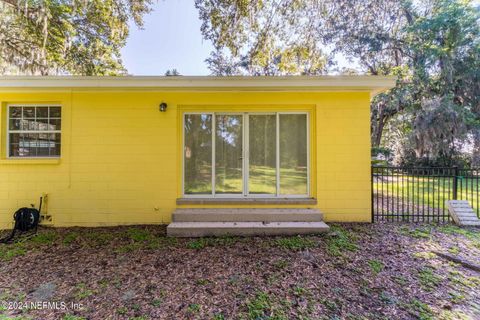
(262, 180)
(427, 191)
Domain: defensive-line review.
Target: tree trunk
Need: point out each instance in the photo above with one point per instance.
(378, 126)
(476, 149)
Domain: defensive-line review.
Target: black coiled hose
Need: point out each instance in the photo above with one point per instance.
(25, 219)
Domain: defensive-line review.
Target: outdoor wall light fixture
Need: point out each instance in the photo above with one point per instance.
(163, 107)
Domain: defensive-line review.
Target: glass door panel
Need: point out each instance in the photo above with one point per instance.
(293, 154)
(198, 154)
(262, 173)
(228, 154)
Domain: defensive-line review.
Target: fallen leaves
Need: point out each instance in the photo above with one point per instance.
(372, 271)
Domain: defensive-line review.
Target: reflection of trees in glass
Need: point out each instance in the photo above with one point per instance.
(262, 168)
(228, 154)
(293, 154)
(262, 154)
(198, 153)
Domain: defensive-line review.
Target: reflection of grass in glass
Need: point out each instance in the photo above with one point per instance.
(228, 180)
(262, 180)
(200, 182)
(293, 180)
(432, 192)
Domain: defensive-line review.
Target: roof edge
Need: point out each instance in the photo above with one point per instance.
(357, 82)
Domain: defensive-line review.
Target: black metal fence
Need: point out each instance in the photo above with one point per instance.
(419, 194)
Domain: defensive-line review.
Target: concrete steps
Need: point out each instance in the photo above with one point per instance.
(204, 229)
(193, 222)
(462, 213)
(242, 215)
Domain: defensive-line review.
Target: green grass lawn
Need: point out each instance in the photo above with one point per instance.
(430, 192)
(262, 180)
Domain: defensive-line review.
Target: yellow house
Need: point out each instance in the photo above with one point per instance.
(106, 151)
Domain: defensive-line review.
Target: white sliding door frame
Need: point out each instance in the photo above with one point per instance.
(246, 156)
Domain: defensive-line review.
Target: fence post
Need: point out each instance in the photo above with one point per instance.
(455, 182)
(372, 198)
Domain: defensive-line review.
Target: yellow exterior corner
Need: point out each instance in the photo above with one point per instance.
(121, 159)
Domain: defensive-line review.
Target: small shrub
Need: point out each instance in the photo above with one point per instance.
(103, 283)
(331, 305)
(419, 309)
(129, 247)
(471, 235)
(400, 280)
(8, 252)
(456, 297)
(452, 229)
(258, 307)
(428, 279)
(193, 308)
(263, 307)
(44, 238)
(340, 241)
(218, 316)
(70, 238)
(139, 235)
(425, 255)
(161, 242)
(454, 250)
(202, 282)
(376, 265)
(201, 243)
(300, 291)
(423, 232)
(197, 244)
(462, 279)
(4, 317)
(295, 243)
(72, 317)
(387, 298)
(281, 264)
(83, 292)
(156, 303)
(122, 310)
(98, 238)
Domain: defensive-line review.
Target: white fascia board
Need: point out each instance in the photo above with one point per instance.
(289, 83)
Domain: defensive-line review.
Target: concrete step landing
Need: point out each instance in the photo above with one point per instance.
(246, 214)
(200, 222)
(204, 229)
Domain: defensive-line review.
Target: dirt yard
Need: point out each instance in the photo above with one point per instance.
(379, 271)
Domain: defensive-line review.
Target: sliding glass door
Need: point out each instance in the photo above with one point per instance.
(246, 155)
(293, 155)
(228, 154)
(262, 154)
(197, 157)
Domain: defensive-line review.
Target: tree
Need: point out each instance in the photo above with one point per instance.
(66, 36)
(447, 42)
(173, 72)
(431, 46)
(252, 37)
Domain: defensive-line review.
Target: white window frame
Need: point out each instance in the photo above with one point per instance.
(32, 131)
(245, 162)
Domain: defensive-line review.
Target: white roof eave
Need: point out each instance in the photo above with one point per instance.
(372, 84)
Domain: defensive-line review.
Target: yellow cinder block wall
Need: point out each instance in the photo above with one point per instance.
(121, 157)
